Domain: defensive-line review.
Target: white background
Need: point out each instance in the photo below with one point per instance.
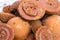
(7, 2)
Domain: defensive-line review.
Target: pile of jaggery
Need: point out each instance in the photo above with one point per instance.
(31, 20)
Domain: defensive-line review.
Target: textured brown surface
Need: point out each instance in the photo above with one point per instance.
(31, 10)
(58, 10)
(8, 9)
(15, 5)
(4, 17)
(53, 22)
(20, 27)
(43, 33)
(6, 32)
(50, 6)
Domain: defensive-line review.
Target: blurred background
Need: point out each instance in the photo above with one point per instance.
(5, 3)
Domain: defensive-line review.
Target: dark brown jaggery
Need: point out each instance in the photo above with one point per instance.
(15, 5)
(4, 17)
(31, 37)
(8, 9)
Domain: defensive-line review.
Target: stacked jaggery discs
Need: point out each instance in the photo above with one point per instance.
(31, 20)
(41, 32)
(33, 9)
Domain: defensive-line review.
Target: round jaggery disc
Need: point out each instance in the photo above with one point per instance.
(8, 9)
(21, 27)
(43, 33)
(4, 17)
(6, 32)
(31, 10)
(53, 22)
(51, 6)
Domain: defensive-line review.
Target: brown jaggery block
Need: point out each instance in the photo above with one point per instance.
(35, 25)
(21, 27)
(4, 17)
(44, 33)
(51, 6)
(53, 22)
(6, 32)
(15, 5)
(8, 9)
(31, 37)
(31, 10)
(11, 9)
